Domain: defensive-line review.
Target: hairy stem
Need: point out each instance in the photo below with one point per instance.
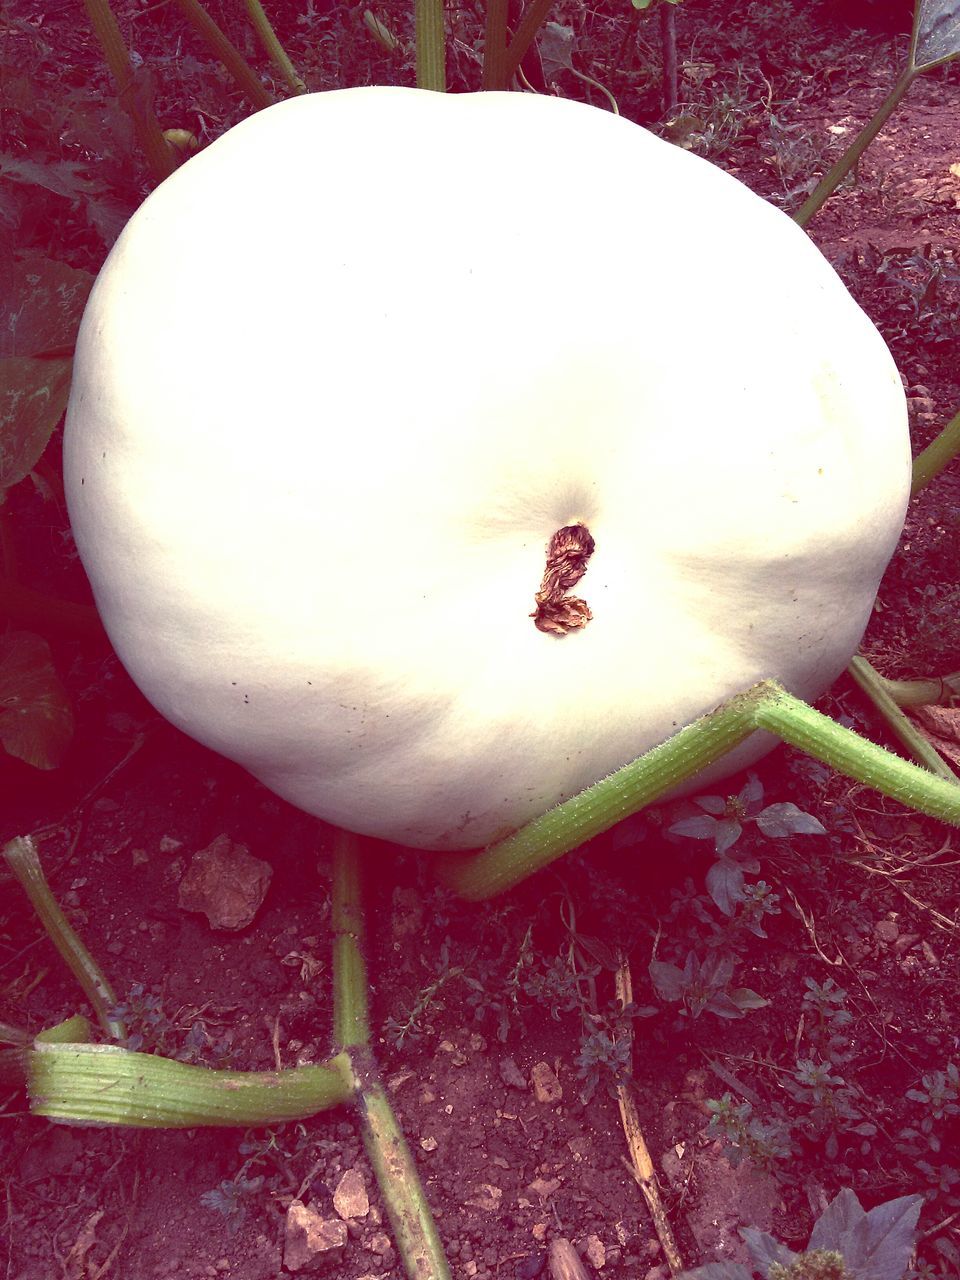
(765, 706)
(938, 454)
(875, 687)
(21, 856)
(431, 45)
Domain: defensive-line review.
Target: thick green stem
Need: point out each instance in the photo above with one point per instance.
(414, 1230)
(431, 45)
(28, 608)
(830, 181)
(929, 691)
(495, 46)
(278, 55)
(766, 706)
(609, 801)
(819, 736)
(106, 1085)
(530, 24)
(21, 856)
(131, 91)
(229, 55)
(876, 688)
(351, 1024)
(938, 454)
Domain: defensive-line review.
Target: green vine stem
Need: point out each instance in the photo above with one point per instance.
(431, 45)
(229, 55)
(831, 180)
(937, 455)
(34, 609)
(278, 55)
(495, 45)
(530, 24)
(160, 156)
(415, 1232)
(104, 1084)
(878, 690)
(21, 856)
(765, 706)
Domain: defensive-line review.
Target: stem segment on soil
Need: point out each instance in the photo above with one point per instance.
(764, 706)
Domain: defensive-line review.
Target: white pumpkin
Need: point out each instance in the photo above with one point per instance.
(348, 371)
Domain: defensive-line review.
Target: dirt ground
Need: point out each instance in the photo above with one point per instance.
(495, 1021)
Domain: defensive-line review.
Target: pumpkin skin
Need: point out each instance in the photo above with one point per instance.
(345, 374)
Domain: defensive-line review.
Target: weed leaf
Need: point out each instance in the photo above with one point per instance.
(718, 1271)
(43, 306)
(699, 827)
(875, 1245)
(725, 884)
(938, 31)
(36, 722)
(669, 982)
(787, 820)
(33, 396)
(765, 1250)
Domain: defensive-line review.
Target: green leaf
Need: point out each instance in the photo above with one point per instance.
(725, 884)
(938, 32)
(718, 1271)
(698, 827)
(36, 720)
(43, 301)
(556, 44)
(669, 982)
(787, 820)
(765, 1250)
(875, 1245)
(33, 397)
(745, 999)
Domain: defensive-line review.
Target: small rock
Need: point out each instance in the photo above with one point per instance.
(226, 883)
(485, 1196)
(169, 845)
(544, 1187)
(887, 930)
(139, 857)
(311, 1239)
(350, 1197)
(546, 1086)
(595, 1252)
(511, 1074)
(428, 1144)
(379, 1243)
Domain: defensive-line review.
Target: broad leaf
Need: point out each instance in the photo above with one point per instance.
(765, 1250)
(875, 1245)
(725, 885)
(718, 1271)
(669, 982)
(787, 820)
(698, 827)
(556, 44)
(727, 834)
(36, 721)
(33, 397)
(712, 804)
(938, 32)
(43, 301)
(745, 999)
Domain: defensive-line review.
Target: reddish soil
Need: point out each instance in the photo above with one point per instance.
(468, 1000)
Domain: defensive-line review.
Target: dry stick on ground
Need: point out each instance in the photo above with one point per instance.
(640, 1161)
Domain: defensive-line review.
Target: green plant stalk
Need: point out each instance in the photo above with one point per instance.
(34, 609)
(530, 24)
(831, 180)
(414, 1230)
(936, 456)
(14, 1062)
(819, 736)
(875, 687)
(431, 45)
(229, 55)
(765, 706)
(495, 45)
(21, 856)
(278, 55)
(160, 156)
(630, 789)
(103, 1084)
(351, 1024)
(929, 691)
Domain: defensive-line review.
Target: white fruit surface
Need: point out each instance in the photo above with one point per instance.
(347, 371)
